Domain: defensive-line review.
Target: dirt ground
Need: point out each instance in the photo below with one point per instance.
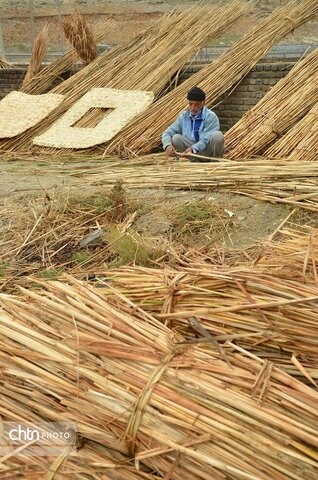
(248, 220)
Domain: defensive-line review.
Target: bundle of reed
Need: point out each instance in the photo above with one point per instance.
(80, 34)
(42, 82)
(285, 104)
(144, 132)
(228, 301)
(283, 181)
(300, 142)
(148, 62)
(38, 53)
(132, 385)
(5, 64)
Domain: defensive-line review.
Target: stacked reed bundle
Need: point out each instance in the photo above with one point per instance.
(284, 181)
(275, 316)
(148, 62)
(301, 141)
(131, 385)
(42, 82)
(286, 103)
(38, 53)
(144, 132)
(80, 34)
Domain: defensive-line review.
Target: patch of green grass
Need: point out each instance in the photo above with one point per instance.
(116, 204)
(129, 248)
(52, 274)
(198, 222)
(42, 164)
(80, 257)
(3, 268)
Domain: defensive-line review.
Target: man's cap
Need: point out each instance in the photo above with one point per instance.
(196, 94)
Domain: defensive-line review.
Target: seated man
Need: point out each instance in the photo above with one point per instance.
(196, 130)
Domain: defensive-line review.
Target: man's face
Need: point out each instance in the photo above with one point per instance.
(195, 106)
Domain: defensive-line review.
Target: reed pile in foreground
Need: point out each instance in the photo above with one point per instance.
(41, 82)
(274, 315)
(286, 103)
(80, 34)
(283, 181)
(144, 132)
(132, 385)
(148, 62)
(301, 141)
(39, 50)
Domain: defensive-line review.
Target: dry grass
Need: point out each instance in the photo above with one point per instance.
(39, 50)
(199, 223)
(5, 64)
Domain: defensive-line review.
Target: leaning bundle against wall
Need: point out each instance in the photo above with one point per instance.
(286, 103)
(144, 132)
(301, 141)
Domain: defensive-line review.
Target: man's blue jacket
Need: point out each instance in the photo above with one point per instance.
(184, 125)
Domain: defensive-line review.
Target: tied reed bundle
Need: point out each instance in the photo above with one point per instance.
(144, 133)
(283, 181)
(80, 34)
(133, 386)
(153, 59)
(42, 82)
(286, 103)
(38, 53)
(301, 141)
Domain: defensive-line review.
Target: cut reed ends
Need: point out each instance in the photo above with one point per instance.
(43, 81)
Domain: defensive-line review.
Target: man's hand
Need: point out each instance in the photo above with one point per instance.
(189, 150)
(171, 151)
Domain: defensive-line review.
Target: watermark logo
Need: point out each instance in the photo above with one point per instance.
(41, 439)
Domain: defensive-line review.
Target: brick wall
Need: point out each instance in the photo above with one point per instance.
(12, 78)
(230, 107)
